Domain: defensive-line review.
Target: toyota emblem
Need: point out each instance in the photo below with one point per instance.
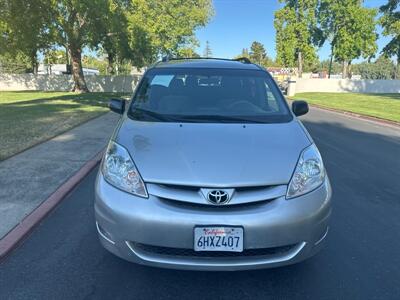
(218, 197)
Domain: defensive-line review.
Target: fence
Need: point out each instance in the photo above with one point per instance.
(127, 84)
(343, 86)
(20, 82)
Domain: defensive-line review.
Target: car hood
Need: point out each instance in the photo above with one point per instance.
(213, 155)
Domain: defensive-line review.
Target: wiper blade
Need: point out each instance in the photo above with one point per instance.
(143, 113)
(219, 118)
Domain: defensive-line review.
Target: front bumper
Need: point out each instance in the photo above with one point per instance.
(159, 232)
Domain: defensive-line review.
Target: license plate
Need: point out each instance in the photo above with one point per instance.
(218, 239)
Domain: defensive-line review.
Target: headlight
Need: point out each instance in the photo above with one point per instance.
(120, 171)
(309, 173)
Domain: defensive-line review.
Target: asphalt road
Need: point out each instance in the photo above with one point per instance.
(63, 259)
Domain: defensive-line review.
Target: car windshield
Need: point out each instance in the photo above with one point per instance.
(209, 96)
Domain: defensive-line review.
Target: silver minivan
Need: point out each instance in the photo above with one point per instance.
(209, 169)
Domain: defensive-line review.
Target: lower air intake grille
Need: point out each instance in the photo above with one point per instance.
(183, 252)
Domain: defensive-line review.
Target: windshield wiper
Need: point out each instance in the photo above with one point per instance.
(141, 114)
(218, 118)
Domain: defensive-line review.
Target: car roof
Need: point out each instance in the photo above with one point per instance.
(211, 63)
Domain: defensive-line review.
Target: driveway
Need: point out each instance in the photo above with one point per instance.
(63, 259)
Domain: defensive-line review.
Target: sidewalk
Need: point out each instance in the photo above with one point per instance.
(29, 178)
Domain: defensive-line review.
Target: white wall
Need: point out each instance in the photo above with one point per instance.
(20, 82)
(347, 86)
(127, 83)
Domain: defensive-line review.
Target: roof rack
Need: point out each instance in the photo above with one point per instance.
(244, 60)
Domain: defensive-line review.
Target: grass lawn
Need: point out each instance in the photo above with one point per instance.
(27, 118)
(384, 106)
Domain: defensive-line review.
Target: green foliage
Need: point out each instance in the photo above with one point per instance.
(15, 63)
(53, 56)
(245, 53)
(112, 35)
(324, 66)
(258, 54)
(127, 31)
(163, 27)
(297, 34)
(23, 28)
(76, 23)
(187, 52)
(382, 68)
(89, 61)
(351, 29)
(390, 22)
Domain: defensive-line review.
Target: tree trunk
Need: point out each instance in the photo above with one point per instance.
(77, 72)
(67, 63)
(300, 64)
(34, 62)
(349, 73)
(397, 70)
(110, 66)
(330, 62)
(344, 69)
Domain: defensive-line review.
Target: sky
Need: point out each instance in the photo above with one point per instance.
(237, 23)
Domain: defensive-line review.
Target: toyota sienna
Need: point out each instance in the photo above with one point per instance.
(209, 169)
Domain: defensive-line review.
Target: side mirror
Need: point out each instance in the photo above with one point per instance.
(299, 108)
(117, 105)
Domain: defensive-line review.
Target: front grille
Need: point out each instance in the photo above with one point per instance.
(207, 205)
(193, 194)
(184, 252)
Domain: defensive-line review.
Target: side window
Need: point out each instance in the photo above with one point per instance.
(271, 100)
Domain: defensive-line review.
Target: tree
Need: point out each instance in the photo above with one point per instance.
(159, 28)
(76, 22)
(258, 53)
(24, 30)
(390, 22)
(245, 53)
(189, 49)
(297, 34)
(112, 36)
(57, 56)
(127, 31)
(351, 29)
(15, 63)
(382, 68)
(187, 52)
(328, 66)
(207, 50)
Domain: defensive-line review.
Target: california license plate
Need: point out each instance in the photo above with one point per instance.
(218, 239)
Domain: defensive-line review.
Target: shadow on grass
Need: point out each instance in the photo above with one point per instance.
(96, 99)
(26, 123)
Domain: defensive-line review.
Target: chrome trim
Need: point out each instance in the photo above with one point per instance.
(103, 235)
(238, 195)
(323, 237)
(208, 263)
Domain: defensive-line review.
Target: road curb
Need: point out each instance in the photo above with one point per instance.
(14, 238)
